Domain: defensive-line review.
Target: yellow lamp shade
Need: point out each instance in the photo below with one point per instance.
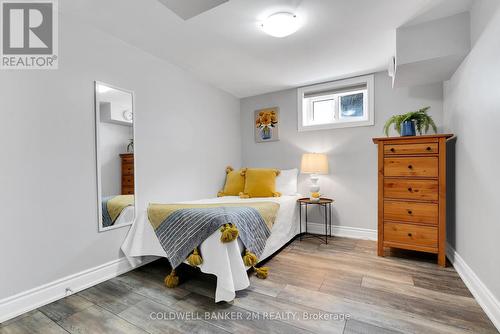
(314, 163)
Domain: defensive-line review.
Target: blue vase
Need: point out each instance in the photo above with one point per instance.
(408, 129)
(266, 133)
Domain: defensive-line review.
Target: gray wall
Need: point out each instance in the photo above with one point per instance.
(472, 111)
(352, 155)
(187, 132)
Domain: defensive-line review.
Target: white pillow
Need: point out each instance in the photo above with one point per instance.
(286, 182)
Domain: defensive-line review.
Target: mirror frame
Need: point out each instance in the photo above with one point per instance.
(97, 119)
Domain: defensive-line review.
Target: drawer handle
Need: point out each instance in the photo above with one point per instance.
(410, 167)
(393, 150)
(410, 212)
(409, 234)
(410, 189)
(429, 148)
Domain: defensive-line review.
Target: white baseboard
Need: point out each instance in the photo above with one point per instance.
(344, 231)
(26, 301)
(483, 295)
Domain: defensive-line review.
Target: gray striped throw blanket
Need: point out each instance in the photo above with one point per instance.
(182, 227)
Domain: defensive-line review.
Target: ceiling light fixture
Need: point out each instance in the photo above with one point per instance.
(280, 24)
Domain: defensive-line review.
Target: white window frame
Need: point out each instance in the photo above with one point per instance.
(305, 106)
(321, 98)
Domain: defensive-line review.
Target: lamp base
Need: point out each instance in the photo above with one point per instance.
(314, 189)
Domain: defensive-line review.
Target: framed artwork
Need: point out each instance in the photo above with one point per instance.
(266, 124)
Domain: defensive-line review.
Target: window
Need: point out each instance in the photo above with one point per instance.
(339, 104)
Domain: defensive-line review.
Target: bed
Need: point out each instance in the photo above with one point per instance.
(220, 259)
(117, 209)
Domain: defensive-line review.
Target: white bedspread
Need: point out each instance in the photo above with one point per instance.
(220, 259)
(126, 216)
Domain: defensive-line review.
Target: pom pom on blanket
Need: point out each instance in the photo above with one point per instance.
(229, 233)
(234, 231)
(172, 280)
(262, 272)
(250, 259)
(195, 258)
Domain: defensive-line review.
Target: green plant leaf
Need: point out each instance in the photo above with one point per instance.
(422, 121)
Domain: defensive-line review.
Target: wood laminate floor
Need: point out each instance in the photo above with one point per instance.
(342, 287)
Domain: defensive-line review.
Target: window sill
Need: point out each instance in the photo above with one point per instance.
(304, 128)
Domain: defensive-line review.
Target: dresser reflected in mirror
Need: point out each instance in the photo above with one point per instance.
(114, 132)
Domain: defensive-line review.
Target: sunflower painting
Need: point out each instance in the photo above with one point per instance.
(266, 125)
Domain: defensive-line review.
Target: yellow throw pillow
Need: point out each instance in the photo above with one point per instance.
(235, 182)
(260, 182)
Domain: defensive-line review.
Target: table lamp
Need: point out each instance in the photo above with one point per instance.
(314, 164)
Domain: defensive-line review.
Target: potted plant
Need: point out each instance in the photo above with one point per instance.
(407, 124)
(130, 146)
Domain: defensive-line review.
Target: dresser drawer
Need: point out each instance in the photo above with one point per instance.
(412, 166)
(425, 190)
(127, 161)
(128, 169)
(128, 180)
(127, 190)
(425, 236)
(424, 148)
(413, 212)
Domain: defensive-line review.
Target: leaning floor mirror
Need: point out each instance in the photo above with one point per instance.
(114, 130)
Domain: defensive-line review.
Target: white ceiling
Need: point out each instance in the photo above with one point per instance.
(438, 9)
(224, 46)
(191, 8)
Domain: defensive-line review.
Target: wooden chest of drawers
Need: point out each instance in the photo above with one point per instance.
(412, 194)
(127, 173)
